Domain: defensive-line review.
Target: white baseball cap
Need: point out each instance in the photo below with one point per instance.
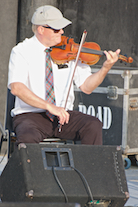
(51, 16)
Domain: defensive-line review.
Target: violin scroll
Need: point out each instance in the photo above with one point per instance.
(125, 59)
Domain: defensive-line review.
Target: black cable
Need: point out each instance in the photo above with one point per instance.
(62, 189)
(86, 183)
(82, 177)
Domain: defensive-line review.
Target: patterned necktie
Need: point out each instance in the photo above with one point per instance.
(50, 96)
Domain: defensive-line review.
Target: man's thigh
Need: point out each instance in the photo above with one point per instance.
(82, 127)
(32, 127)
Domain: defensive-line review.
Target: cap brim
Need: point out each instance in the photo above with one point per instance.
(59, 24)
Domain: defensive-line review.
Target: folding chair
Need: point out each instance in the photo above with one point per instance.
(8, 134)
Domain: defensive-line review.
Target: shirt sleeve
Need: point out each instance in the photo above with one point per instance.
(18, 68)
(83, 71)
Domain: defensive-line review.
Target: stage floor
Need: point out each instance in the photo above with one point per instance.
(132, 181)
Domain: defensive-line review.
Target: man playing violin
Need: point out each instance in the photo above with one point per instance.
(26, 80)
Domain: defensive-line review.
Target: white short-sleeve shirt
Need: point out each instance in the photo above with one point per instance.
(27, 65)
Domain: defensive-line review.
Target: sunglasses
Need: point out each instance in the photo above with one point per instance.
(55, 30)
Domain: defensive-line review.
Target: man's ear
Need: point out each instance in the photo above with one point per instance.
(40, 30)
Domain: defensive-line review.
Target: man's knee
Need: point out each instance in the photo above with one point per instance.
(92, 132)
(28, 135)
(94, 123)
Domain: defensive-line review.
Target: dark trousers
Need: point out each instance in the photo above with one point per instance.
(34, 127)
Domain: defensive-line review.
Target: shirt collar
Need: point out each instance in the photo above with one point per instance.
(40, 45)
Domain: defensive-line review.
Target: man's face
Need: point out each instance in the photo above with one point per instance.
(51, 37)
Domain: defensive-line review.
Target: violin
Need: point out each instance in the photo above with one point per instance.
(90, 53)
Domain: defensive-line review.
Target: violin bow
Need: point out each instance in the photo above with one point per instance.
(76, 62)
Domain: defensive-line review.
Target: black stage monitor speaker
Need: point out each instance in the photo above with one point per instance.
(38, 204)
(85, 174)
